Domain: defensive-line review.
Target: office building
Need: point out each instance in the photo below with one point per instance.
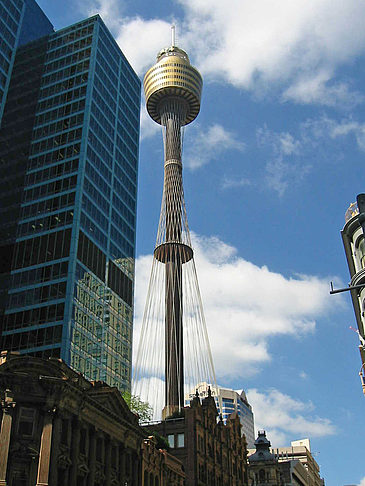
(68, 168)
(227, 402)
(354, 244)
(21, 21)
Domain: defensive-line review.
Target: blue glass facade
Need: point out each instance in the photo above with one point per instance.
(21, 21)
(69, 228)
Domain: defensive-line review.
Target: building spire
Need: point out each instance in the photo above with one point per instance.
(173, 35)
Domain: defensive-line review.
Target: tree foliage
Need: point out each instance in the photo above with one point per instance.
(136, 405)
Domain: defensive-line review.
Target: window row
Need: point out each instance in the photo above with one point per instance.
(64, 85)
(52, 172)
(37, 295)
(61, 139)
(55, 156)
(59, 126)
(99, 181)
(123, 210)
(126, 150)
(45, 224)
(68, 49)
(124, 195)
(109, 60)
(122, 225)
(33, 339)
(64, 110)
(101, 134)
(91, 256)
(42, 249)
(59, 185)
(6, 34)
(4, 47)
(120, 283)
(106, 75)
(120, 241)
(133, 82)
(122, 175)
(104, 92)
(100, 149)
(9, 22)
(103, 106)
(90, 227)
(48, 205)
(100, 117)
(96, 196)
(71, 33)
(133, 131)
(99, 164)
(94, 212)
(14, 8)
(66, 61)
(62, 99)
(66, 73)
(34, 317)
(40, 274)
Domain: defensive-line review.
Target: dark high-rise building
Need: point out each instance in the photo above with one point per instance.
(21, 21)
(68, 171)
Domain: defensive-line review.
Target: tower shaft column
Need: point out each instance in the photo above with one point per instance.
(174, 356)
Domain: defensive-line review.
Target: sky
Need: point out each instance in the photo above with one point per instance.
(271, 164)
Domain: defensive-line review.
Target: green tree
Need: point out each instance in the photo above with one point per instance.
(136, 405)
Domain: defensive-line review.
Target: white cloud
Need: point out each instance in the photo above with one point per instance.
(318, 88)
(284, 167)
(362, 482)
(207, 144)
(327, 127)
(285, 418)
(255, 45)
(229, 183)
(254, 303)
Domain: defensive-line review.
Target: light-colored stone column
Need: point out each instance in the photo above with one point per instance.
(45, 449)
(56, 439)
(5, 435)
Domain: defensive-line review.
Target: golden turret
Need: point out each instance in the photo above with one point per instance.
(173, 77)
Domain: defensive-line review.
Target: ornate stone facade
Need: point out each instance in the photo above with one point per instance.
(59, 429)
(213, 454)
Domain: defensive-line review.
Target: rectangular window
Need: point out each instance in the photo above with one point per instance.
(180, 440)
(26, 422)
(171, 440)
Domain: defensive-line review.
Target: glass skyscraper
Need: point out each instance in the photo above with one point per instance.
(21, 21)
(68, 172)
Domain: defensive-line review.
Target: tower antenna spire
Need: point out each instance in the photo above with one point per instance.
(173, 35)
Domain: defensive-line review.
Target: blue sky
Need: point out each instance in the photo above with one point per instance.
(271, 164)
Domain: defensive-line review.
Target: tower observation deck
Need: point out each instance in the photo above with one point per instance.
(174, 346)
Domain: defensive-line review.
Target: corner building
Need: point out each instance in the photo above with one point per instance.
(68, 171)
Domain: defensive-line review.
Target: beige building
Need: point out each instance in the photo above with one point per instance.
(300, 450)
